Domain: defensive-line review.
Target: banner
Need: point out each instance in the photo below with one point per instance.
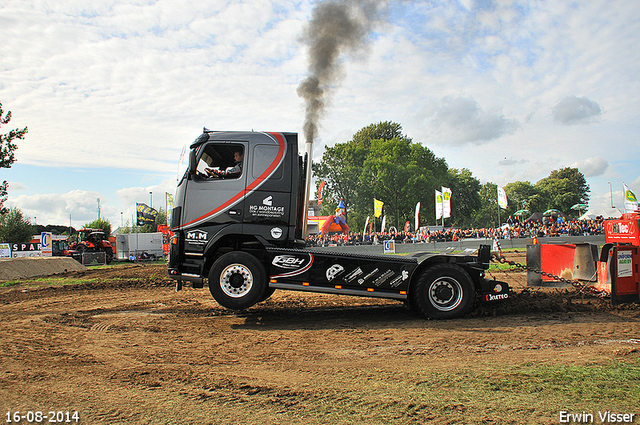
(169, 206)
(446, 202)
(502, 198)
(630, 200)
(320, 193)
(417, 220)
(384, 223)
(377, 207)
(366, 223)
(438, 205)
(145, 214)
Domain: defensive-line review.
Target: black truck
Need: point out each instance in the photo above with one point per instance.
(238, 223)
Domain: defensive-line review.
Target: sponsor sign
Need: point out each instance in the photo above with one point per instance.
(294, 264)
(5, 250)
(25, 250)
(625, 268)
(334, 271)
(276, 233)
(267, 209)
(390, 247)
(404, 275)
(197, 237)
(46, 244)
(622, 231)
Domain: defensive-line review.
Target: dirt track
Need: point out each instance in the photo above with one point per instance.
(127, 349)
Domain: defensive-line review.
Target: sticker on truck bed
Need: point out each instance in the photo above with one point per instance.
(298, 264)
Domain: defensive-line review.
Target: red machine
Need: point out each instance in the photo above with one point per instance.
(93, 240)
(620, 259)
(614, 272)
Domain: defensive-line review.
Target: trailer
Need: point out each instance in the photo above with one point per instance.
(239, 222)
(135, 244)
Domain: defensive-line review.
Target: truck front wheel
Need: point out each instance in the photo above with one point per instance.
(237, 280)
(444, 291)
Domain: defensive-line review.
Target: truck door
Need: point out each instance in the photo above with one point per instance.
(215, 195)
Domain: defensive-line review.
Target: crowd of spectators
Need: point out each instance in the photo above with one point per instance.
(514, 228)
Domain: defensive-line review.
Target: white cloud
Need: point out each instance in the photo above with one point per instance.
(592, 167)
(16, 186)
(575, 110)
(79, 206)
(461, 120)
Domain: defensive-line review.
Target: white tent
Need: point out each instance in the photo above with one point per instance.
(604, 212)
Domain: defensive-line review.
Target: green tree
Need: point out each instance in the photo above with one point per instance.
(560, 190)
(387, 174)
(15, 227)
(379, 162)
(520, 196)
(7, 151)
(100, 223)
(341, 168)
(487, 214)
(465, 196)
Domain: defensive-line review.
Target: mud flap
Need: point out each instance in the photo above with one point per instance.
(493, 290)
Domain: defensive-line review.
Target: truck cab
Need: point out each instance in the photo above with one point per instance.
(218, 211)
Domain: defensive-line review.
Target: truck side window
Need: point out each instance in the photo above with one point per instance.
(220, 161)
(262, 155)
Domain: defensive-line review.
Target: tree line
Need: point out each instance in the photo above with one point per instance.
(383, 163)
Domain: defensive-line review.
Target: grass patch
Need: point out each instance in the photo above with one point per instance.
(494, 393)
(501, 267)
(117, 264)
(61, 281)
(593, 383)
(520, 393)
(47, 281)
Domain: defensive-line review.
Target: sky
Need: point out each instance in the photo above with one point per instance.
(111, 91)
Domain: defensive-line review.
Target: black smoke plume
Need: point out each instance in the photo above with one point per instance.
(336, 27)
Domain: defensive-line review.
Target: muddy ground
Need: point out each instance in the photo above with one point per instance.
(125, 348)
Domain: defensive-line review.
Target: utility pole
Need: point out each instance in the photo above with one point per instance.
(611, 194)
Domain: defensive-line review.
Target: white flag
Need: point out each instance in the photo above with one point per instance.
(366, 223)
(630, 200)
(384, 223)
(502, 198)
(417, 226)
(446, 202)
(438, 205)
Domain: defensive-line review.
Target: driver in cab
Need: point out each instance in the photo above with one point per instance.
(229, 172)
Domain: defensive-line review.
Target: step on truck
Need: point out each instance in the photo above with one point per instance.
(238, 224)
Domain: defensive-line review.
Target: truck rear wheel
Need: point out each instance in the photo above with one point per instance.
(444, 291)
(237, 280)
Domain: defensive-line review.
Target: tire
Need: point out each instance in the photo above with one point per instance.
(237, 280)
(444, 291)
(267, 293)
(108, 255)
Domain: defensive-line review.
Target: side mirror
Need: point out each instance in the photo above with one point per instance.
(193, 166)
